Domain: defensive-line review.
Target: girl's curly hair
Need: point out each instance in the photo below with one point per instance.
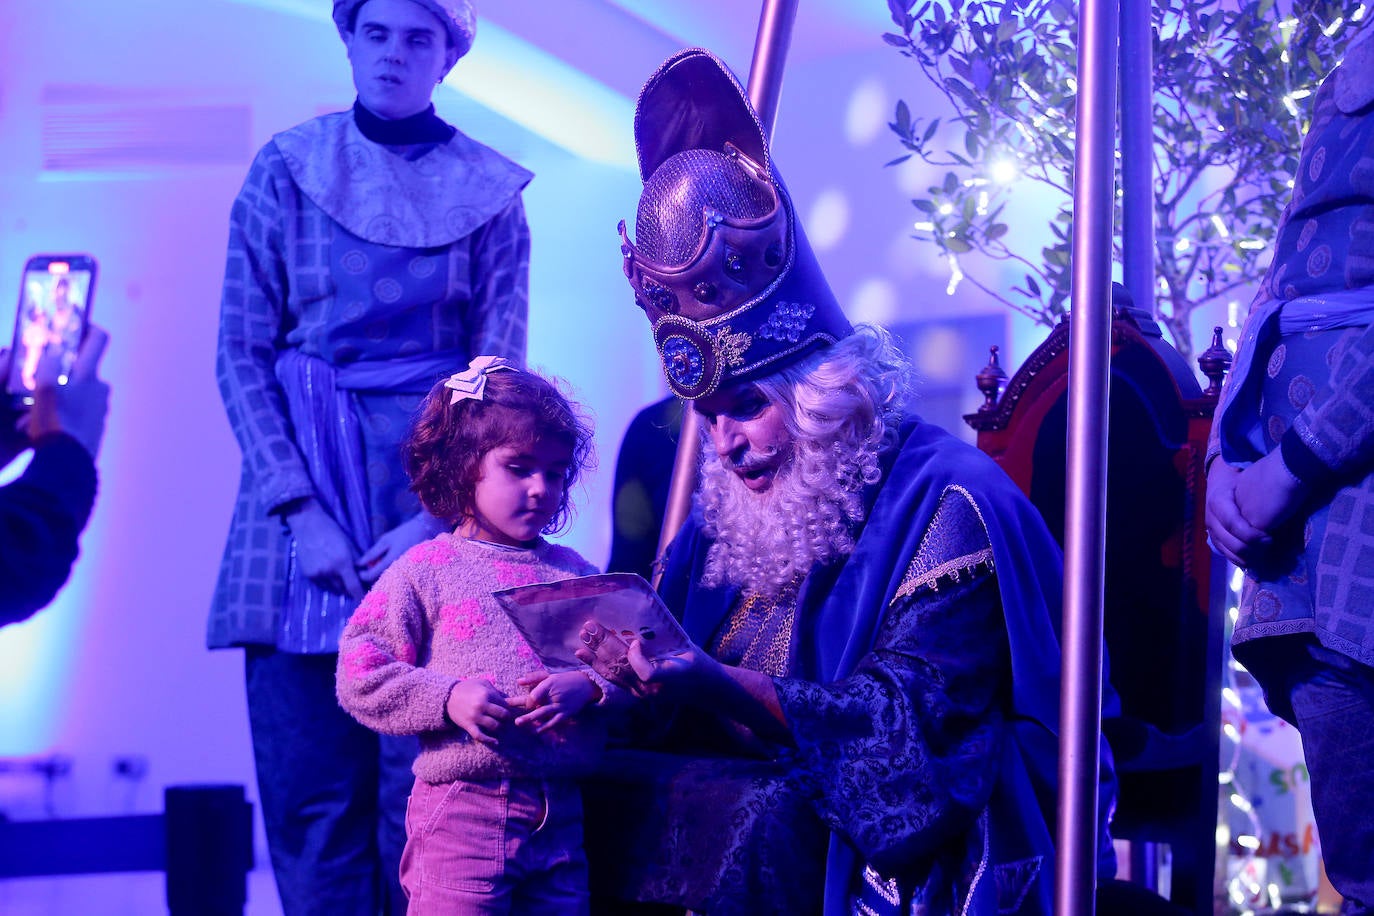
(443, 451)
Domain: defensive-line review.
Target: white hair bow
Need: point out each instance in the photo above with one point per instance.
(472, 381)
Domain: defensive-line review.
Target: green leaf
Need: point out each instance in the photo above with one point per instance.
(1224, 140)
(925, 206)
(963, 92)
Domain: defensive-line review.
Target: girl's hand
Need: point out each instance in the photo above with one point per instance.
(554, 698)
(479, 709)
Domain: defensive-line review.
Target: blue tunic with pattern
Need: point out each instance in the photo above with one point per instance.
(1304, 382)
(395, 259)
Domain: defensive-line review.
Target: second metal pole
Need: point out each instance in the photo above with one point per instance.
(1080, 707)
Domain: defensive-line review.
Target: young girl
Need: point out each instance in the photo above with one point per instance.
(494, 823)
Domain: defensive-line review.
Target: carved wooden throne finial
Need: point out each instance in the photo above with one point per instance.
(1215, 362)
(991, 378)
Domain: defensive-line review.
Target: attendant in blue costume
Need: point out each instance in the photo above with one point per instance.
(370, 251)
(1291, 499)
(874, 601)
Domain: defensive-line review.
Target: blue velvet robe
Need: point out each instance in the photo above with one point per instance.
(863, 705)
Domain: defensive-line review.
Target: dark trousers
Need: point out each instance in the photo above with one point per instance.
(333, 793)
(1331, 698)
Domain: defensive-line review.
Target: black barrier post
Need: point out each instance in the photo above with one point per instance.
(209, 850)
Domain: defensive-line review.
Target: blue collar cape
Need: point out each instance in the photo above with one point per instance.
(841, 606)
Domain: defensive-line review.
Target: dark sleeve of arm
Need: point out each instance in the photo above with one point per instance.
(41, 516)
(500, 285)
(1333, 437)
(251, 320)
(903, 754)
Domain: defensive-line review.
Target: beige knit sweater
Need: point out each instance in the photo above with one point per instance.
(431, 621)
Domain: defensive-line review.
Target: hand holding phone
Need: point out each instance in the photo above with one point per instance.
(54, 311)
(78, 406)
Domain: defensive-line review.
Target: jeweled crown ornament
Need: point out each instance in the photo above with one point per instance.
(719, 264)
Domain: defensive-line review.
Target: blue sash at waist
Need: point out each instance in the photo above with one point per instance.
(322, 402)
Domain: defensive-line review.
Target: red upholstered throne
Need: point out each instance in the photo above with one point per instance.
(1163, 610)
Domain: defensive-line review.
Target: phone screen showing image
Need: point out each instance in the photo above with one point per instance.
(54, 308)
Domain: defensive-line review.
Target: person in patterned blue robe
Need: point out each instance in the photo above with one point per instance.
(1290, 486)
(371, 252)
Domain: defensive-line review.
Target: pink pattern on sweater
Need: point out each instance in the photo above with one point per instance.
(440, 625)
(363, 659)
(509, 575)
(462, 620)
(371, 611)
(436, 552)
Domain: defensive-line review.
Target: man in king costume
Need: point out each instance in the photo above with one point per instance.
(874, 602)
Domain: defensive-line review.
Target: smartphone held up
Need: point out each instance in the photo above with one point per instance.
(54, 312)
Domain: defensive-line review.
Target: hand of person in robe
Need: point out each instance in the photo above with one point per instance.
(1268, 494)
(554, 698)
(1231, 532)
(388, 548)
(323, 549)
(691, 676)
(607, 654)
(629, 666)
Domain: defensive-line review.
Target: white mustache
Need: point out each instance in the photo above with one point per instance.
(751, 461)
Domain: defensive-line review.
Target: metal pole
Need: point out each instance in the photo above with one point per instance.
(1138, 226)
(1137, 153)
(770, 56)
(765, 88)
(680, 488)
(1080, 705)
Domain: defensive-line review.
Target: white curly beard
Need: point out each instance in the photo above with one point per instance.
(766, 541)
